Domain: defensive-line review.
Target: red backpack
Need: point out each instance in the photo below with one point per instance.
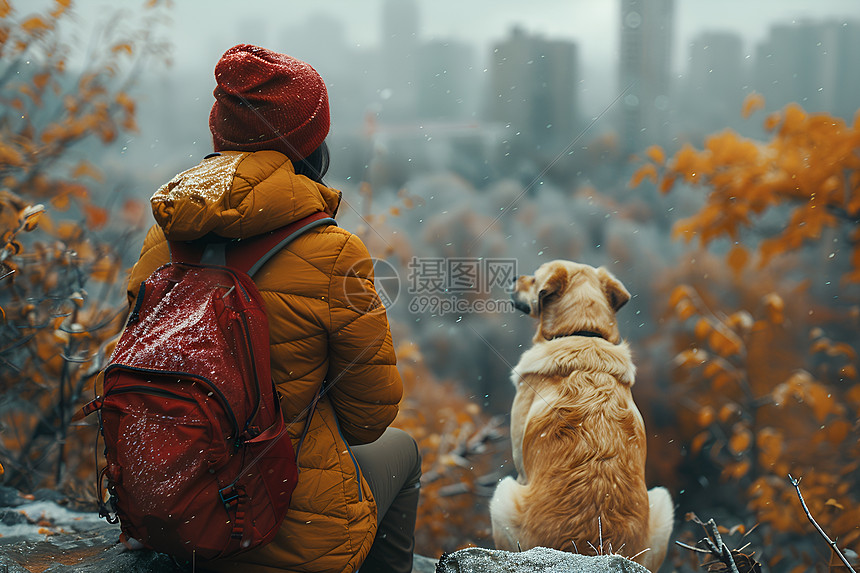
(199, 462)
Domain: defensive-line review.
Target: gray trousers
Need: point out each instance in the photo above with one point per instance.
(392, 467)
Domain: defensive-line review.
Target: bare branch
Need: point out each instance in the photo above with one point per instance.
(796, 484)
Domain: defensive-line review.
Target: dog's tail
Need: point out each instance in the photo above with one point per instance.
(505, 514)
(661, 519)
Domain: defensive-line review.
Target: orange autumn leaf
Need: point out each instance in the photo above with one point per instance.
(775, 307)
(820, 400)
(35, 24)
(772, 121)
(728, 411)
(61, 7)
(10, 156)
(834, 503)
(646, 171)
(752, 103)
(737, 470)
(689, 358)
(667, 183)
(837, 431)
(770, 446)
(87, 169)
(134, 213)
(60, 202)
(842, 349)
(706, 416)
(685, 309)
(31, 215)
(712, 369)
(40, 80)
(794, 118)
(702, 328)
(655, 153)
(680, 293)
(126, 102)
(96, 217)
(68, 231)
(741, 440)
(737, 258)
(698, 442)
(725, 342)
(123, 47)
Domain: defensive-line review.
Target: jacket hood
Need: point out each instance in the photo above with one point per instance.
(238, 195)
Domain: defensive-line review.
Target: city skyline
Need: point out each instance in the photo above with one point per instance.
(416, 85)
(592, 23)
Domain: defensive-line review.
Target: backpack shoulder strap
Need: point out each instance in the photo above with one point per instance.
(247, 255)
(250, 255)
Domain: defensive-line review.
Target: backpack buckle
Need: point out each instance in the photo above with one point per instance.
(232, 495)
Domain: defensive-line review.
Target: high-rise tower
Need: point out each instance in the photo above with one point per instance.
(645, 71)
(533, 89)
(400, 41)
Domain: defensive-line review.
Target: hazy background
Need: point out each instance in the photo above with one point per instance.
(340, 35)
(490, 129)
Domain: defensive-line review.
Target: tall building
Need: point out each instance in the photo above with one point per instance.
(400, 42)
(645, 72)
(810, 63)
(846, 39)
(446, 86)
(533, 89)
(714, 83)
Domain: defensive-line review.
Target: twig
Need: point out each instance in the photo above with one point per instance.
(714, 545)
(466, 447)
(633, 558)
(600, 533)
(796, 484)
(692, 548)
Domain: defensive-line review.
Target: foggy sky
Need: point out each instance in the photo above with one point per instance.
(592, 23)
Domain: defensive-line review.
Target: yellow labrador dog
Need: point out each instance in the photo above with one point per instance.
(578, 438)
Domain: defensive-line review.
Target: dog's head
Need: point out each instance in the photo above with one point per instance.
(568, 297)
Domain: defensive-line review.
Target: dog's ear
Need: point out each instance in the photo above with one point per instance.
(615, 292)
(553, 284)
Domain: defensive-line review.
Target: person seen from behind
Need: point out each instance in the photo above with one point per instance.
(355, 502)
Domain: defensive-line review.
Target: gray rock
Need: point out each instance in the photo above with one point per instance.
(9, 565)
(12, 517)
(537, 560)
(44, 494)
(9, 497)
(421, 564)
(117, 558)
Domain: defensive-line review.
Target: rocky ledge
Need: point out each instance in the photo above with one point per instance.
(40, 533)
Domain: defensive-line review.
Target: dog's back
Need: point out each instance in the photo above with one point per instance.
(583, 455)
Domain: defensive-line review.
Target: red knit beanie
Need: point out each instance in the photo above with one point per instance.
(267, 100)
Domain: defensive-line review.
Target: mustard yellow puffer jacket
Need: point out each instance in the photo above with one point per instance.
(316, 335)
